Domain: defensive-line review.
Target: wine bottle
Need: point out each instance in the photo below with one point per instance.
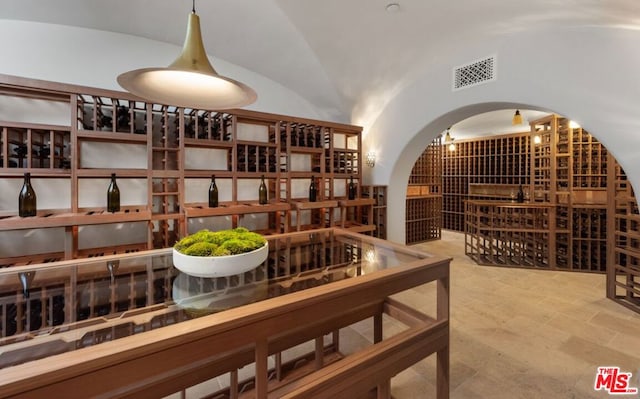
(113, 195)
(123, 118)
(352, 189)
(262, 192)
(213, 193)
(27, 198)
(313, 190)
(520, 197)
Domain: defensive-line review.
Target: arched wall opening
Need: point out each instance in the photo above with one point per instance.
(412, 151)
(598, 95)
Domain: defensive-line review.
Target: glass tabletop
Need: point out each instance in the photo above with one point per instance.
(56, 308)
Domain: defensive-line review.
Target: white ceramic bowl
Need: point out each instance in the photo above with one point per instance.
(220, 266)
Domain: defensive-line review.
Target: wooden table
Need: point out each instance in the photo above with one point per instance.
(134, 326)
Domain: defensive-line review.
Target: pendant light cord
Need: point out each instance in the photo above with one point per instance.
(193, 7)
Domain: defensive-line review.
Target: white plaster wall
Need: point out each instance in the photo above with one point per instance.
(95, 58)
(587, 74)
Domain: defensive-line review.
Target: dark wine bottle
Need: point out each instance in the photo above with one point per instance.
(27, 198)
(520, 196)
(113, 195)
(352, 189)
(123, 118)
(301, 141)
(313, 190)
(213, 193)
(263, 196)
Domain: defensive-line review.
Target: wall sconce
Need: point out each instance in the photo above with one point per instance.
(370, 159)
(537, 139)
(452, 147)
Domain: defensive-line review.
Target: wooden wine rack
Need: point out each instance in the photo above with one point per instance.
(508, 234)
(568, 177)
(168, 148)
(379, 195)
(482, 169)
(623, 276)
(424, 196)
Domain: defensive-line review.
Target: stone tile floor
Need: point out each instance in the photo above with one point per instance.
(518, 333)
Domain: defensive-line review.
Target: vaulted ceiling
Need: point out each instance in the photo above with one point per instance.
(344, 56)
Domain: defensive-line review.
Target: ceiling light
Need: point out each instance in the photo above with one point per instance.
(574, 125)
(447, 137)
(190, 81)
(517, 118)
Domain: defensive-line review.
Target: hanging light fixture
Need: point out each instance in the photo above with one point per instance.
(449, 140)
(517, 118)
(447, 136)
(190, 81)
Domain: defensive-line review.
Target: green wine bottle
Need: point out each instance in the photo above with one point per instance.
(213, 193)
(520, 196)
(352, 189)
(27, 198)
(313, 190)
(263, 196)
(113, 195)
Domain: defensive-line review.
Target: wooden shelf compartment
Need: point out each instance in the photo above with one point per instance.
(501, 161)
(357, 214)
(36, 146)
(256, 158)
(61, 218)
(242, 208)
(302, 205)
(115, 115)
(207, 127)
(509, 234)
(378, 194)
(424, 195)
(321, 214)
(303, 137)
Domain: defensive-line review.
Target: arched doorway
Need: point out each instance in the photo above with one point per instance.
(581, 215)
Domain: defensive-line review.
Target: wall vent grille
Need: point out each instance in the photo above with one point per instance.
(474, 73)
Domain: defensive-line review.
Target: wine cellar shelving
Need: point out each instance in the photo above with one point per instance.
(42, 148)
(379, 195)
(508, 234)
(424, 196)
(623, 276)
(155, 149)
(557, 165)
(490, 168)
(568, 174)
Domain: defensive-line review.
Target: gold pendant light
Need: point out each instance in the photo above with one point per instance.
(447, 137)
(517, 118)
(190, 81)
